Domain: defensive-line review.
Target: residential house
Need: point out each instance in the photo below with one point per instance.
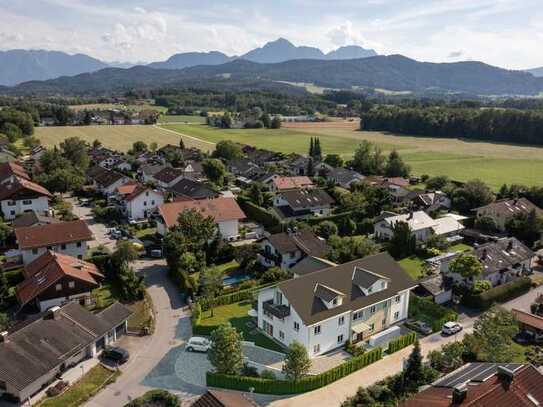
(297, 165)
(243, 167)
(397, 187)
(223, 398)
(168, 177)
(21, 195)
(54, 279)
(225, 211)
(343, 177)
(483, 385)
(325, 309)
(65, 237)
(106, 181)
(147, 171)
(286, 249)
(187, 189)
(421, 225)
(41, 349)
(310, 264)
(280, 184)
(529, 322)
(12, 170)
(139, 201)
(503, 260)
(259, 156)
(503, 210)
(193, 170)
(303, 203)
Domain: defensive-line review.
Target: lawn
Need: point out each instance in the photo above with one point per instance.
(118, 138)
(181, 118)
(237, 315)
(413, 265)
(84, 389)
(461, 160)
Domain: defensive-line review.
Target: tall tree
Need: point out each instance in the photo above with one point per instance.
(214, 170)
(395, 166)
(297, 362)
(467, 265)
(403, 242)
(413, 374)
(310, 170)
(311, 147)
(226, 354)
(212, 281)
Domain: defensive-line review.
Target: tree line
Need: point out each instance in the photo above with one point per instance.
(498, 125)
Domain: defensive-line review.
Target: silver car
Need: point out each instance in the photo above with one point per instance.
(198, 344)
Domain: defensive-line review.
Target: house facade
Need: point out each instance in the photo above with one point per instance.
(138, 201)
(325, 309)
(302, 203)
(503, 210)
(68, 238)
(21, 196)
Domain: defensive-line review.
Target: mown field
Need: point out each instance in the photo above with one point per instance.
(459, 159)
(181, 119)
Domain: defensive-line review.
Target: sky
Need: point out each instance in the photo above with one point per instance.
(505, 33)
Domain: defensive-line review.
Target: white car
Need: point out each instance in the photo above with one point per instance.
(198, 344)
(450, 328)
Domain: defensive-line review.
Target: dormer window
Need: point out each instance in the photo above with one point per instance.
(368, 281)
(329, 296)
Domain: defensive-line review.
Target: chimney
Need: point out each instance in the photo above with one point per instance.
(410, 215)
(510, 245)
(4, 337)
(54, 312)
(459, 395)
(505, 375)
(484, 254)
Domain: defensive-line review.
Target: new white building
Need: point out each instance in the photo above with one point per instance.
(325, 309)
(21, 196)
(138, 201)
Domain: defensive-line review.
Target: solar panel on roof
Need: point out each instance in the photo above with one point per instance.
(474, 372)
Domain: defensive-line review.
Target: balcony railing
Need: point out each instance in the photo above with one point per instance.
(278, 311)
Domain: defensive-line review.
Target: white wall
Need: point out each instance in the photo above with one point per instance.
(147, 201)
(229, 228)
(45, 305)
(71, 250)
(40, 205)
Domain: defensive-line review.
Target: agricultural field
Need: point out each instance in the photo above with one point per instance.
(119, 138)
(461, 160)
(184, 119)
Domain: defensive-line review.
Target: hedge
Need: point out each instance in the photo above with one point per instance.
(401, 342)
(332, 218)
(308, 383)
(14, 277)
(231, 298)
(258, 214)
(499, 294)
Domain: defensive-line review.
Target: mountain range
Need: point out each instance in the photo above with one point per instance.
(393, 72)
(17, 66)
(536, 71)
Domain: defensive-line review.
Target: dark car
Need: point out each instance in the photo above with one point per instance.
(116, 354)
(527, 337)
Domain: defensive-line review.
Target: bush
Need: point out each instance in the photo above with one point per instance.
(237, 296)
(308, 383)
(498, 294)
(155, 398)
(268, 374)
(401, 342)
(258, 214)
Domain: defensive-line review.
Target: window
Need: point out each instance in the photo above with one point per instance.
(71, 284)
(296, 326)
(152, 202)
(334, 302)
(383, 284)
(397, 299)
(12, 212)
(63, 246)
(80, 256)
(358, 315)
(144, 203)
(12, 203)
(372, 309)
(49, 247)
(317, 348)
(341, 320)
(370, 290)
(317, 330)
(58, 287)
(281, 335)
(34, 251)
(79, 244)
(340, 339)
(27, 201)
(372, 326)
(397, 315)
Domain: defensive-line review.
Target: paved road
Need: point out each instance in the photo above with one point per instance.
(149, 350)
(99, 230)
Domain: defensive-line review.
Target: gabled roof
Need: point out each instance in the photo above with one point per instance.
(32, 218)
(22, 187)
(220, 209)
(105, 178)
(510, 207)
(192, 189)
(326, 293)
(151, 169)
(128, 188)
(36, 347)
(50, 267)
(526, 318)
(300, 291)
(284, 183)
(502, 254)
(216, 398)
(12, 168)
(310, 264)
(344, 176)
(365, 278)
(416, 220)
(304, 240)
(52, 234)
(299, 199)
(168, 174)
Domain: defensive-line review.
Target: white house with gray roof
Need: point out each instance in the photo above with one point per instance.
(326, 308)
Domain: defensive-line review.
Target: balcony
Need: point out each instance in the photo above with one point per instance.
(278, 311)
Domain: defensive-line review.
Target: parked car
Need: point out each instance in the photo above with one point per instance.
(420, 326)
(156, 253)
(199, 344)
(115, 234)
(116, 354)
(451, 328)
(527, 337)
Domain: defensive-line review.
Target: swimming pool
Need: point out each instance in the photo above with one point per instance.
(231, 280)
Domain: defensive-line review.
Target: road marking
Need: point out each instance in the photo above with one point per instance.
(185, 135)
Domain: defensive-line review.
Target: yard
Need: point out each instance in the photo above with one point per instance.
(84, 389)
(181, 118)
(237, 315)
(432, 156)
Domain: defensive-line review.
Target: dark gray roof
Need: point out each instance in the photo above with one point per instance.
(474, 372)
(301, 296)
(35, 348)
(304, 240)
(151, 169)
(192, 189)
(502, 254)
(32, 218)
(326, 293)
(310, 264)
(107, 178)
(365, 279)
(307, 198)
(115, 314)
(168, 174)
(343, 176)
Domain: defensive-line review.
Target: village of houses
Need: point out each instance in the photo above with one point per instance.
(310, 270)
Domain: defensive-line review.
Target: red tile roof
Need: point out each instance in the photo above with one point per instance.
(526, 386)
(221, 209)
(128, 188)
(12, 168)
(525, 318)
(282, 183)
(52, 234)
(50, 267)
(140, 189)
(10, 189)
